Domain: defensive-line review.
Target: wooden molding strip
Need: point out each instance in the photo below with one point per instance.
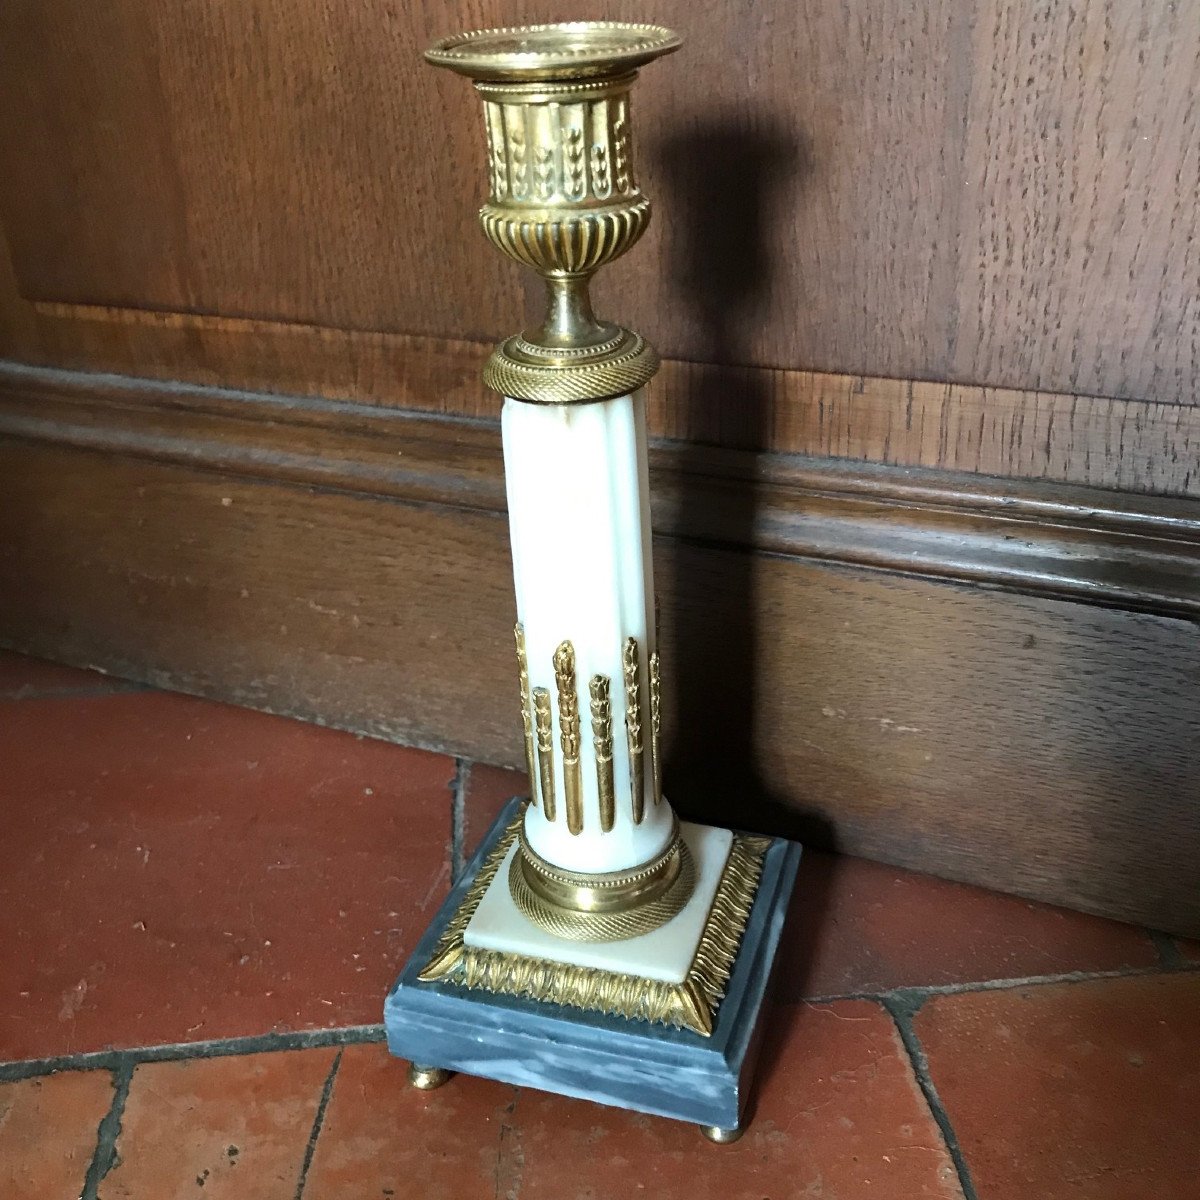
(1058, 540)
(1129, 443)
(350, 566)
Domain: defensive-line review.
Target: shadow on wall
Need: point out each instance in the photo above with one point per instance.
(1103, 737)
(722, 183)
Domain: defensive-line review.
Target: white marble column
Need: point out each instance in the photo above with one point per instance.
(579, 513)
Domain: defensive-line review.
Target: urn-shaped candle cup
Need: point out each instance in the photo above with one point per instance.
(563, 194)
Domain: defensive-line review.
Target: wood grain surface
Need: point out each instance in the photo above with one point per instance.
(1078, 248)
(269, 159)
(1135, 446)
(953, 236)
(1034, 745)
(996, 192)
(1046, 539)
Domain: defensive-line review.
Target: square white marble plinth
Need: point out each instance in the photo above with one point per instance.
(664, 954)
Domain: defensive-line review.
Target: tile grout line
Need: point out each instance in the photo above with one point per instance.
(458, 816)
(1181, 967)
(105, 1156)
(83, 692)
(114, 1060)
(505, 1158)
(318, 1122)
(902, 1007)
(354, 1035)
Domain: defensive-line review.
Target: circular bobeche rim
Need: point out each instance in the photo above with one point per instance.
(629, 45)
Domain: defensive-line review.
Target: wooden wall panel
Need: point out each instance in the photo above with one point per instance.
(203, 582)
(1132, 446)
(1136, 446)
(87, 151)
(956, 235)
(271, 160)
(998, 192)
(804, 162)
(1110, 548)
(1036, 745)
(1020, 743)
(1079, 254)
(347, 199)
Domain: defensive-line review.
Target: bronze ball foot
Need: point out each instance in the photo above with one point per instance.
(427, 1078)
(722, 1137)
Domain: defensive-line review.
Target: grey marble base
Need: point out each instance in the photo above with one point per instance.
(612, 1060)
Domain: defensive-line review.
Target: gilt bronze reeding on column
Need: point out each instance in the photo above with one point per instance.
(544, 725)
(655, 725)
(568, 725)
(633, 728)
(526, 710)
(602, 744)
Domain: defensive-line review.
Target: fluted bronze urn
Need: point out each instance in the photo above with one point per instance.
(564, 197)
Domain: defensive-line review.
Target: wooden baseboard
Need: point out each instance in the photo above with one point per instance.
(992, 680)
(1071, 542)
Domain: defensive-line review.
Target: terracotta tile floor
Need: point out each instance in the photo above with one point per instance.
(204, 907)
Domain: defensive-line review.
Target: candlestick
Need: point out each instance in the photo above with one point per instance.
(592, 896)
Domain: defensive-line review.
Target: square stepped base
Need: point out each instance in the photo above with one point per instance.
(624, 1061)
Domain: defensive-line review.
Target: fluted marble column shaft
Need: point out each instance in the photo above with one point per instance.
(579, 515)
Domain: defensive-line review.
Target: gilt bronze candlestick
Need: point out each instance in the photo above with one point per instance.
(596, 945)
